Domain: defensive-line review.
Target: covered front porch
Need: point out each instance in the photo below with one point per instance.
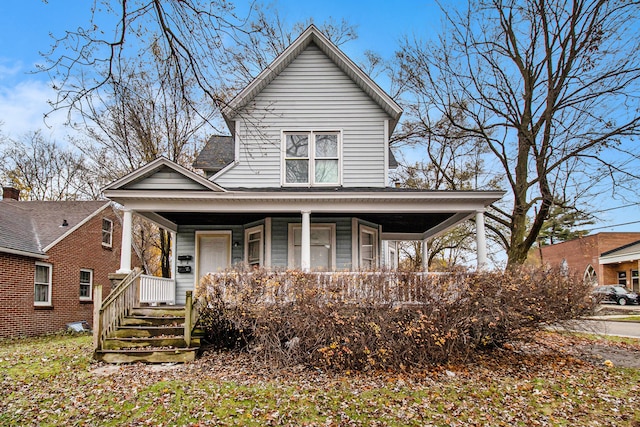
(310, 229)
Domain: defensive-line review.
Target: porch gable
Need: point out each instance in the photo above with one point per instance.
(163, 174)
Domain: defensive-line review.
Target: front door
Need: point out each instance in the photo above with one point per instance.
(213, 252)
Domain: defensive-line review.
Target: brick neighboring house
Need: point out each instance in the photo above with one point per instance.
(603, 258)
(51, 256)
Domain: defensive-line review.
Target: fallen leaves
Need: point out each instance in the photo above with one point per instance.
(544, 382)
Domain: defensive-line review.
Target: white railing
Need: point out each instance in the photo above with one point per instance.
(351, 287)
(157, 290)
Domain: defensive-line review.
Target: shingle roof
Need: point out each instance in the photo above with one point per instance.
(216, 154)
(32, 226)
(219, 151)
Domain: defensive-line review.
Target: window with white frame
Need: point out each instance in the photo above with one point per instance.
(323, 246)
(368, 248)
(590, 275)
(107, 232)
(253, 246)
(86, 284)
(42, 288)
(311, 158)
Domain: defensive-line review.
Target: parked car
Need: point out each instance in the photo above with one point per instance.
(614, 293)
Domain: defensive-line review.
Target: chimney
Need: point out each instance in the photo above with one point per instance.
(10, 193)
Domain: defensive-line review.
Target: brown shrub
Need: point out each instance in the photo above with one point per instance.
(388, 320)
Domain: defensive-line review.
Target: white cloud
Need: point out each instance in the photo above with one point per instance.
(22, 109)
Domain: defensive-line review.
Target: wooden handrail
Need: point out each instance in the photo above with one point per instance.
(191, 315)
(108, 314)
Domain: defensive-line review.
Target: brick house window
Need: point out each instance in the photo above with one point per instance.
(42, 287)
(86, 284)
(107, 232)
(622, 278)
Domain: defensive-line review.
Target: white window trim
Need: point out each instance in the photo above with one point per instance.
(247, 233)
(375, 248)
(110, 243)
(90, 297)
(47, 303)
(298, 226)
(311, 158)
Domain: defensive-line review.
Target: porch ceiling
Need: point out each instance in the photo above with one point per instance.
(391, 223)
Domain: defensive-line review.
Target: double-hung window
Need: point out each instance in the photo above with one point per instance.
(254, 248)
(368, 248)
(311, 158)
(107, 232)
(86, 284)
(42, 288)
(322, 246)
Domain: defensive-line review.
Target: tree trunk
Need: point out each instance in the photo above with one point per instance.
(165, 252)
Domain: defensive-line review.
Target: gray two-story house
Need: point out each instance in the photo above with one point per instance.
(301, 182)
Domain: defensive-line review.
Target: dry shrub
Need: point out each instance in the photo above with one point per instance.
(382, 320)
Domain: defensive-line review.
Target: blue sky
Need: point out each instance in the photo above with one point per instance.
(25, 26)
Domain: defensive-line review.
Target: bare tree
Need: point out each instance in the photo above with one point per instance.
(153, 84)
(209, 45)
(551, 88)
(43, 170)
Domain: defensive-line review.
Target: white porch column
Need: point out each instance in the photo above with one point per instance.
(481, 240)
(425, 255)
(125, 249)
(305, 242)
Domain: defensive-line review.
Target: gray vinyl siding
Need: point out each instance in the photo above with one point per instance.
(165, 179)
(280, 240)
(186, 245)
(312, 93)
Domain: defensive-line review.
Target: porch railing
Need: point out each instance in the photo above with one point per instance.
(157, 290)
(352, 287)
(108, 314)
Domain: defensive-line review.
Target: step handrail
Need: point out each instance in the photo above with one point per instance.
(108, 314)
(191, 315)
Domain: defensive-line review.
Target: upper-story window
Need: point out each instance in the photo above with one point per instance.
(311, 158)
(107, 232)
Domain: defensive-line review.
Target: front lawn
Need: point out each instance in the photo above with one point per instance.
(53, 381)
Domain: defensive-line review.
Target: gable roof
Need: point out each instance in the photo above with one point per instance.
(313, 35)
(216, 154)
(219, 152)
(623, 248)
(152, 175)
(32, 228)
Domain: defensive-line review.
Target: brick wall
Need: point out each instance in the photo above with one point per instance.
(579, 253)
(81, 250)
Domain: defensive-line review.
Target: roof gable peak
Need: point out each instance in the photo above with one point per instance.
(313, 35)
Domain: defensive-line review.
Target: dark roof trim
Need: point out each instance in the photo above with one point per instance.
(628, 245)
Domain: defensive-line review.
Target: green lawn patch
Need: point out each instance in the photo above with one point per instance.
(52, 381)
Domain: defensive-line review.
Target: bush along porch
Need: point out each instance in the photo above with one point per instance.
(385, 319)
(126, 332)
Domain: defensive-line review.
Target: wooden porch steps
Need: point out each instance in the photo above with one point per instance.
(150, 335)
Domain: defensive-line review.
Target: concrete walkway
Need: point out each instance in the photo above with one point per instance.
(606, 324)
